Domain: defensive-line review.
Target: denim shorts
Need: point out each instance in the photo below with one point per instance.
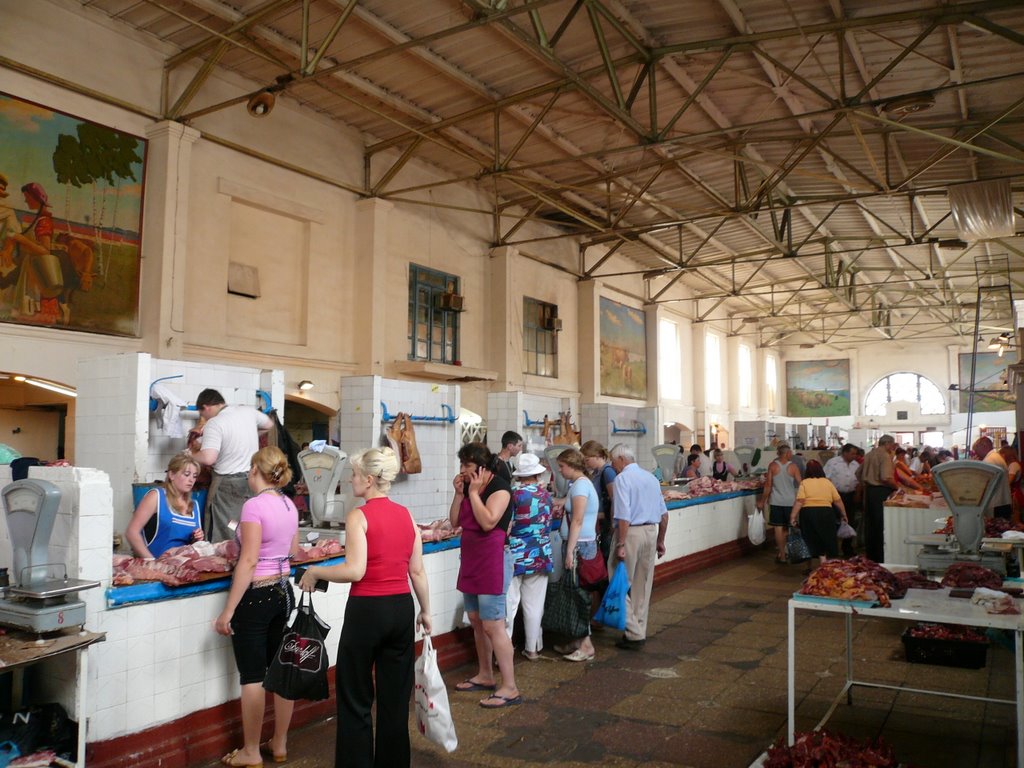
(491, 607)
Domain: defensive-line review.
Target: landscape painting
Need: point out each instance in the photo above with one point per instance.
(818, 388)
(70, 221)
(623, 351)
(991, 391)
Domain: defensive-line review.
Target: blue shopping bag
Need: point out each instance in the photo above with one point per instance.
(612, 612)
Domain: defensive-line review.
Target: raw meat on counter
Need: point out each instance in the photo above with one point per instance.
(178, 565)
(916, 580)
(322, 549)
(967, 575)
(707, 486)
(439, 530)
(995, 527)
(855, 579)
(818, 749)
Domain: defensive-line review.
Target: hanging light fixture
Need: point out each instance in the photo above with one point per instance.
(305, 385)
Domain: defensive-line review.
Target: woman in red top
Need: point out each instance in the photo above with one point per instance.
(383, 551)
(35, 242)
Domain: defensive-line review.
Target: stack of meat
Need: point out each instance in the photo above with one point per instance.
(439, 530)
(995, 527)
(706, 486)
(178, 565)
(818, 749)
(916, 580)
(969, 575)
(321, 550)
(855, 579)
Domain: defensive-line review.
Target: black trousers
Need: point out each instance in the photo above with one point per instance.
(874, 521)
(376, 643)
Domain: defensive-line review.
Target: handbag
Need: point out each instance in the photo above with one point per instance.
(433, 713)
(593, 572)
(566, 607)
(796, 548)
(612, 612)
(299, 668)
(755, 528)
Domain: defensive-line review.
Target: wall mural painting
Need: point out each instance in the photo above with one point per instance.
(991, 391)
(70, 221)
(818, 388)
(623, 351)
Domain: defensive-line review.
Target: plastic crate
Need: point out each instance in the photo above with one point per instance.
(946, 653)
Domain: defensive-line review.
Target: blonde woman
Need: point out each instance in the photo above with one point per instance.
(383, 553)
(260, 600)
(167, 516)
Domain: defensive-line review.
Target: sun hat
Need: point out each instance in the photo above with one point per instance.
(529, 466)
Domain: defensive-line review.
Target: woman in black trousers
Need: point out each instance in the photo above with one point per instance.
(383, 552)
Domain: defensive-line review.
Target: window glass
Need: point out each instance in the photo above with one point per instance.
(540, 339)
(904, 386)
(433, 329)
(670, 368)
(745, 375)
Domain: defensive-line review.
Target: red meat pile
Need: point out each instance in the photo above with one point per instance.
(915, 580)
(995, 527)
(178, 565)
(822, 749)
(324, 548)
(968, 575)
(957, 632)
(855, 579)
(439, 530)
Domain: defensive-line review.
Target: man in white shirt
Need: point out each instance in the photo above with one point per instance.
(842, 471)
(230, 438)
(641, 521)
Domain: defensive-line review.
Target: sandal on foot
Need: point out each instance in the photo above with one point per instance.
(267, 751)
(231, 759)
(471, 685)
(578, 655)
(561, 650)
(503, 701)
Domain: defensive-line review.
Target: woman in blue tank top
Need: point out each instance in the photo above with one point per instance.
(167, 516)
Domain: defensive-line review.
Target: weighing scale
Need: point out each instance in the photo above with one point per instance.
(968, 488)
(35, 601)
(666, 456)
(323, 470)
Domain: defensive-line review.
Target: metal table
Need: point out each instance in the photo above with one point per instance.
(918, 605)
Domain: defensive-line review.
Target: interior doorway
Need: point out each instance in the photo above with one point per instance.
(307, 420)
(37, 417)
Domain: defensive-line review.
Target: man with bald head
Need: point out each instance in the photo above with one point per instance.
(878, 477)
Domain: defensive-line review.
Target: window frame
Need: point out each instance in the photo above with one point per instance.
(712, 373)
(425, 285)
(676, 360)
(886, 381)
(745, 375)
(539, 343)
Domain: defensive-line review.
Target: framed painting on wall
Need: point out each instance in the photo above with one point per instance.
(818, 388)
(623, 351)
(991, 391)
(70, 221)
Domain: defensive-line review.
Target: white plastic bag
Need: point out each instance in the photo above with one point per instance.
(755, 528)
(433, 714)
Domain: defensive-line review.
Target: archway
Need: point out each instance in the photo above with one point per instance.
(37, 416)
(307, 420)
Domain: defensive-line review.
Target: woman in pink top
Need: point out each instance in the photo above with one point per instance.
(260, 600)
(383, 553)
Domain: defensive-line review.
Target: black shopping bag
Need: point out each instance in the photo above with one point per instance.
(567, 607)
(299, 668)
(796, 548)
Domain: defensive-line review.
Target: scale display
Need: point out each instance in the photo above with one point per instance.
(966, 484)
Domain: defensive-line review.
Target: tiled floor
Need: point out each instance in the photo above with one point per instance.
(709, 691)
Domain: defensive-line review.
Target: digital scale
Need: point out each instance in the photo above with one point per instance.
(323, 470)
(35, 601)
(968, 488)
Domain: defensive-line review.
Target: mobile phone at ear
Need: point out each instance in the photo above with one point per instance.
(321, 584)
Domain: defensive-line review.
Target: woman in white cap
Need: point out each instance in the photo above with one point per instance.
(530, 545)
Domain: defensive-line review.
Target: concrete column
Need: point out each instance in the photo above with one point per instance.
(371, 262)
(589, 343)
(505, 345)
(165, 238)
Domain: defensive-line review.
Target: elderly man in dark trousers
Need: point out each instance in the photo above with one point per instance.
(230, 438)
(878, 477)
(641, 521)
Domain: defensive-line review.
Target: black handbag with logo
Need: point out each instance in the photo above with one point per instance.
(299, 668)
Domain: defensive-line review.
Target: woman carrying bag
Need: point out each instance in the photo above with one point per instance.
(383, 553)
(260, 600)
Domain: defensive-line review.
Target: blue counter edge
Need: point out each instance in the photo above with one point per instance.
(154, 591)
(680, 503)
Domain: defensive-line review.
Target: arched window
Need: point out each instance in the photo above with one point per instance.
(910, 387)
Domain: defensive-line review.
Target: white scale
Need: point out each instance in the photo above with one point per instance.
(968, 487)
(323, 470)
(36, 601)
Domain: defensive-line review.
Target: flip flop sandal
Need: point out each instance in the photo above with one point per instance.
(578, 655)
(267, 751)
(506, 701)
(467, 686)
(229, 760)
